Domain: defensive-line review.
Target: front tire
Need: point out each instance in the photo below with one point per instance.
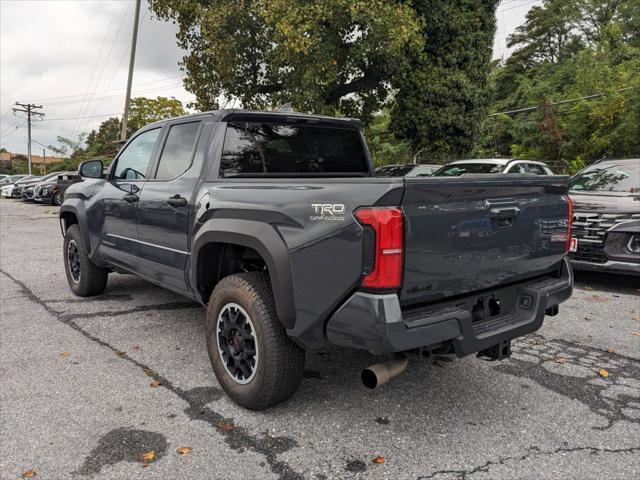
(56, 200)
(84, 277)
(253, 358)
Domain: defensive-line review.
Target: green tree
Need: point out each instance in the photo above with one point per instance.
(326, 57)
(384, 147)
(148, 110)
(602, 58)
(442, 98)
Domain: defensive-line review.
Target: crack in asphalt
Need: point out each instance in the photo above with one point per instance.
(614, 398)
(238, 438)
(531, 451)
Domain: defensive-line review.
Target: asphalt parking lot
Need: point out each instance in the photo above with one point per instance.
(88, 386)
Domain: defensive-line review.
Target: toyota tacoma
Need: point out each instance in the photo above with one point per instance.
(276, 223)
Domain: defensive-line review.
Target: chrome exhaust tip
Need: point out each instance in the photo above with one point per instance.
(381, 373)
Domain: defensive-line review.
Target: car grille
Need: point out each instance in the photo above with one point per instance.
(590, 228)
(588, 254)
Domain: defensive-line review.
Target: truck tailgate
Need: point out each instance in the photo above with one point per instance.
(474, 232)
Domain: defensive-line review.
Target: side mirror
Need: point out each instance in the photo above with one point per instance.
(91, 169)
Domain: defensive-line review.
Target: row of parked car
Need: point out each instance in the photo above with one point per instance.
(33, 188)
(606, 199)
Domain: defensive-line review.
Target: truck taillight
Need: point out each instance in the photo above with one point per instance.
(569, 223)
(386, 223)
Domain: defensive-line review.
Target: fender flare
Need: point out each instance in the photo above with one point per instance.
(265, 240)
(74, 206)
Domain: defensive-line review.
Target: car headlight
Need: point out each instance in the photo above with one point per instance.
(634, 244)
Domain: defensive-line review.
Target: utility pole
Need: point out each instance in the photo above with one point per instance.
(44, 162)
(132, 59)
(32, 111)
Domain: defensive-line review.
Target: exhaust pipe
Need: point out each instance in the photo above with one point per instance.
(381, 373)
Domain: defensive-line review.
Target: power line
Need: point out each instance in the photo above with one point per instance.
(80, 118)
(560, 102)
(49, 99)
(32, 111)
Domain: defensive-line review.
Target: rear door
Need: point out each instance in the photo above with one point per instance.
(474, 232)
(128, 174)
(165, 205)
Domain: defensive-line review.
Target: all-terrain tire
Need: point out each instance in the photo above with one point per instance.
(279, 362)
(84, 277)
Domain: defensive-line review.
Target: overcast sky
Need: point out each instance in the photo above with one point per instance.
(72, 57)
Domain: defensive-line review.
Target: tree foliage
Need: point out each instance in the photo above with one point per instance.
(567, 50)
(326, 57)
(442, 99)
(103, 143)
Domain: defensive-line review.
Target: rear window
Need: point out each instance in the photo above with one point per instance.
(462, 168)
(393, 170)
(255, 149)
(621, 177)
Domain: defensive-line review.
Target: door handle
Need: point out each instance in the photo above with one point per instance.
(177, 201)
(131, 198)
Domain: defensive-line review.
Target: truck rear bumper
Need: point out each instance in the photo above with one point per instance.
(377, 323)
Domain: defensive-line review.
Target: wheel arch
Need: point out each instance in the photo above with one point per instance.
(259, 237)
(73, 214)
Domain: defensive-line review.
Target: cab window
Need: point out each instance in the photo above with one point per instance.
(134, 160)
(177, 153)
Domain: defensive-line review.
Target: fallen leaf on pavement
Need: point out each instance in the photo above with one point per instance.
(588, 287)
(149, 456)
(29, 474)
(149, 373)
(155, 384)
(597, 298)
(148, 314)
(379, 460)
(136, 348)
(587, 319)
(184, 450)
(636, 334)
(560, 360)
(64, 354)
(120, 353)
(225, 426)
(603, 373)
(610, 350)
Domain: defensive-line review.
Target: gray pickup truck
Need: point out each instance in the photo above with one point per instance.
(276, 223)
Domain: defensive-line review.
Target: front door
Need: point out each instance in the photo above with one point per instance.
(165, 206)
(119, 239)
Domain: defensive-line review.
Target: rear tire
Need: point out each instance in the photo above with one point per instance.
(84, 277)
(56, 200)
(253, 358)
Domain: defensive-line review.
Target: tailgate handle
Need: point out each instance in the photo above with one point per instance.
(503, 218)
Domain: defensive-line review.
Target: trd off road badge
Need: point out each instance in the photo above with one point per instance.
(327, 211)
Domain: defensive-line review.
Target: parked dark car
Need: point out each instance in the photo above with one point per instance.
(606, 218)
(276, 223)
(410, 170)
(48, 191)
(25, 182)
(28, 189)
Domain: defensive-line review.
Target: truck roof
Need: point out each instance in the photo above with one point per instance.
(230, 114)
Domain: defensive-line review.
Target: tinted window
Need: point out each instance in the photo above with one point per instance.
(133, 161)
(178, 150)
(609, 177)
(517, 168)
(393, 170)
(423, 171)
(462, 168)
(277, 148)
(537, 169)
